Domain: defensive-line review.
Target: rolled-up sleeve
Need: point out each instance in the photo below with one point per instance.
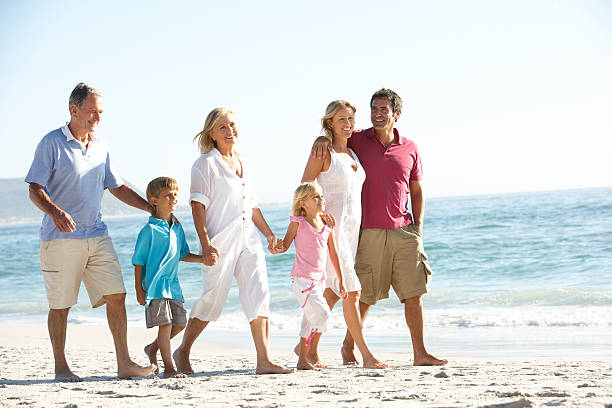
(43, 164)
(200, 184)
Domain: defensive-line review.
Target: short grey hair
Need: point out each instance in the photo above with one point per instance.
(80, 93)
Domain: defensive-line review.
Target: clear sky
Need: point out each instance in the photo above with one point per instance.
(500, 96)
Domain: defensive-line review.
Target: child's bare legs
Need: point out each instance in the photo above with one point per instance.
(163, 342)
(312, 354)
(348, 345)
(353, 322)
(151, 349)
(303, 363)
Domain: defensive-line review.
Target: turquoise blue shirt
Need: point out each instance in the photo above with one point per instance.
(159, 249)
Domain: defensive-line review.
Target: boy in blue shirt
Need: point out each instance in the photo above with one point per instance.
(160, 246)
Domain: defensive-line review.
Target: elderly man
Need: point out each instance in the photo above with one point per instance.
(70, 171)
(390, 251)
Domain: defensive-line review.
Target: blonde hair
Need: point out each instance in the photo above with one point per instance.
(330, 112)
(304, 192)
(157, 185)
(206, 142)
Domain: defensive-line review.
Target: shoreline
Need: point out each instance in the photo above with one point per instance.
(477, 342)
(225, 377)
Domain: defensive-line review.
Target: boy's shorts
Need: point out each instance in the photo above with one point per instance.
(160, 312)
(65, 263)
(391, 257)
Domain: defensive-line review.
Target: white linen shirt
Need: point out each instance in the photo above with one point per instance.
(225, 196)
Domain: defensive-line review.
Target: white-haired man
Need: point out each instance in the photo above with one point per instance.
(69, 173)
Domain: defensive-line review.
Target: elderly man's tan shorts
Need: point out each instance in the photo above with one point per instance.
(391, 257)
(65, 263)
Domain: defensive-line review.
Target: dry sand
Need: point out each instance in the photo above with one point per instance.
(225, 376)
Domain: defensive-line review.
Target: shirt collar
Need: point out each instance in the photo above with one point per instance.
(66, 131)
(400, 140)
(157, 221)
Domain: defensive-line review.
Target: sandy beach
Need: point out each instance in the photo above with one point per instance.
(225, 376)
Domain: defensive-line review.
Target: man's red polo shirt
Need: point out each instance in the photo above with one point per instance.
(384, 197)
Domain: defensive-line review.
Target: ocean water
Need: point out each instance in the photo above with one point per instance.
(514, 274)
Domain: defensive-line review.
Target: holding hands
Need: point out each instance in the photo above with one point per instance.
(210, 255)
(275, 245)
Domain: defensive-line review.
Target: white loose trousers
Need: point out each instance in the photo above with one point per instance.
(229, 201)
(309, 295)
(241, 256)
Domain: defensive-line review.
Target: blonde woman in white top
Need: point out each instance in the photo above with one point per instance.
(341, 176)
(226, 216)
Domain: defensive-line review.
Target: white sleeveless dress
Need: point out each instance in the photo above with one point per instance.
(342, 191)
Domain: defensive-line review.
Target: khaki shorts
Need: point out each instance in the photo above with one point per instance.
(160, 312)
(65, 263)
(391, 257)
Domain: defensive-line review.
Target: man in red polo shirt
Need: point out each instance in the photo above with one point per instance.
(390, 251)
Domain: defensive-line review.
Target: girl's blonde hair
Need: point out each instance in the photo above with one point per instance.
(304, 192)
(330, 111)
(206, 142)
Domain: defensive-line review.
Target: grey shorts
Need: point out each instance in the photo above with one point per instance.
(161, 312)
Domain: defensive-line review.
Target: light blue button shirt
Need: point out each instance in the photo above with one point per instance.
(159, 250)
(74, 177)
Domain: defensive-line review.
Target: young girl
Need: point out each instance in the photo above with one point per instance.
(313, 240)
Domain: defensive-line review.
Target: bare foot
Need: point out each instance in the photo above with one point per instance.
(373, 362)
(270, 368)
(312, 358)
(152, 354)
(316, 362)
(305, 365)
(131, 369)
(429, 360)
(348, 357)
(182, 362)
(174, 374)
(67, 376)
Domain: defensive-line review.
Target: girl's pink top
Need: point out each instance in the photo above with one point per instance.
(310, 250)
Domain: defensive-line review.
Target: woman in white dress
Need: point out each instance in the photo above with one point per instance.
(341, 176)
(226, 216)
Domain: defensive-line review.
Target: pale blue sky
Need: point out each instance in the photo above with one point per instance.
(500, 96)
